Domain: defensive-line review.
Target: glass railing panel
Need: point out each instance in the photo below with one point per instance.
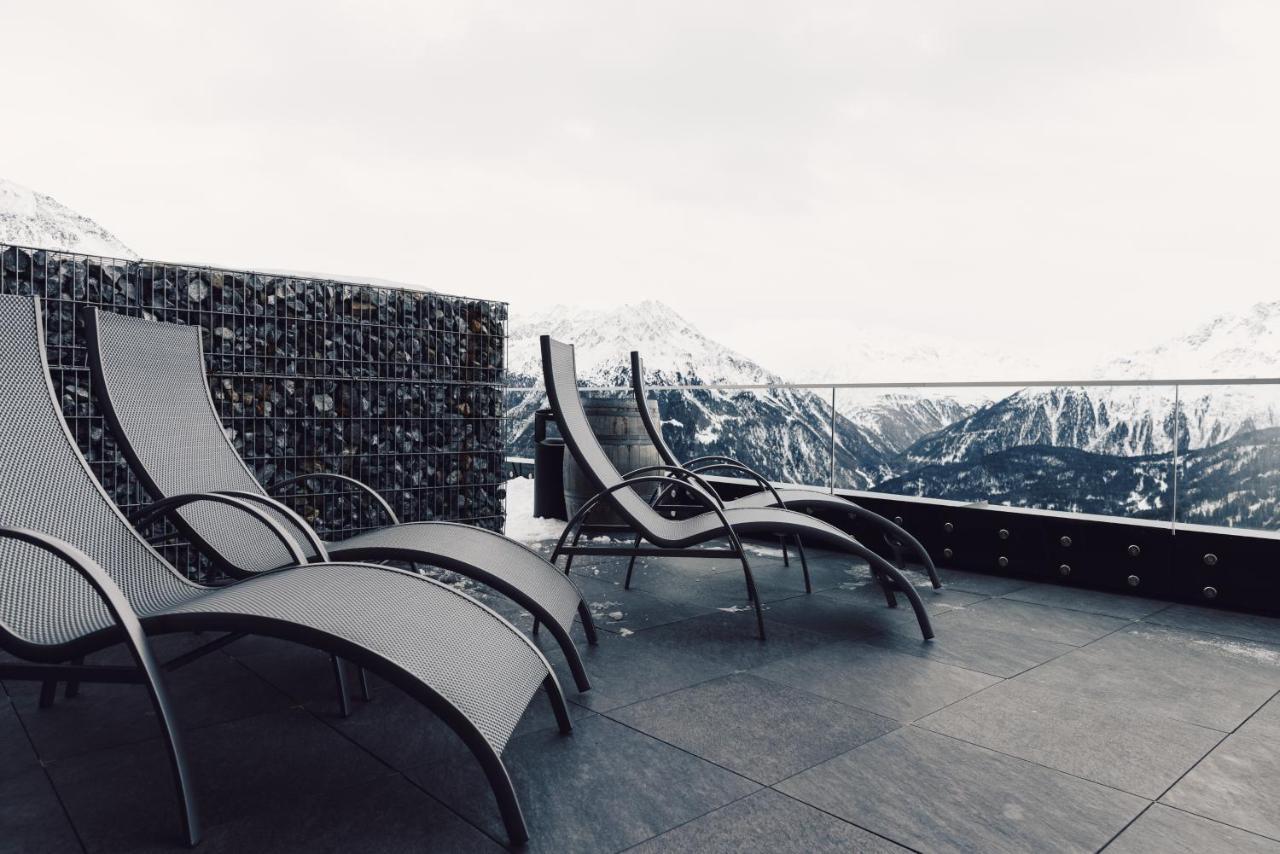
(1084, 449)
(1228, 465)
(520, 404)
(784, 433)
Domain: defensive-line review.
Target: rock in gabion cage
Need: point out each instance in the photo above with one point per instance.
(398, 388)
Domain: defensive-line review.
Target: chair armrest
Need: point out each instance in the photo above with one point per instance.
(709, 458)
(731, 465)
(708, 501)
(308, 532)
(106, 588)
(359, 486)
(166, 506)
(676, 473)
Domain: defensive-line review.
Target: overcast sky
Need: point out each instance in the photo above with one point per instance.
(1056, 180)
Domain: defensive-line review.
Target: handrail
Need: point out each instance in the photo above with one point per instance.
(1092, 383)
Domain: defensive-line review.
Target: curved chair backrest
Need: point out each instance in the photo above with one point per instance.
(47, 486)
(152, 388)
(651, 427)
(561, 378)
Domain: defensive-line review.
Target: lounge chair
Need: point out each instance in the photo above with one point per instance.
(76, 578)
(786, 498)
(150, 383)
(683, 537)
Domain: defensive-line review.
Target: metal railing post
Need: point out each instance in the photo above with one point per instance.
(1177, 432)
(831, 476)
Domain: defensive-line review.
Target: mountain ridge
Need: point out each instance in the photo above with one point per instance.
(30, 218)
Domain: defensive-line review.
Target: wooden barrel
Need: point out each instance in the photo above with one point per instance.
(616, 423)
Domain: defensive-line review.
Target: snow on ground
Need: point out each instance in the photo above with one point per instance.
(521, 523)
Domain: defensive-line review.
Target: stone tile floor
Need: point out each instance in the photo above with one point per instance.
(1040, 719)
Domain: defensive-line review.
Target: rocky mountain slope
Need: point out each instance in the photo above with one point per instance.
(28, 218)
(1235, 482)
(784, 433)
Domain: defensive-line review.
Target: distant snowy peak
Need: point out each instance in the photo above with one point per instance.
(870, 353)
(28, 218)
(1244, 344)
(674, 351)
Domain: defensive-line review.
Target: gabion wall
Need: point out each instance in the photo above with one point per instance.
(397, 388)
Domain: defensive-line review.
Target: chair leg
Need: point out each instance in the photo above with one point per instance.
(572, 658)
(887, 588)
(917, 606)
(169, 731)
(631, 564)
(73, 687)
(751, 590)
(568, 561)
(892, 579)
(504, 793)
(340, 677)
(48, 693)
(365, 693)
(904, 538)
(558, 704)
(588, 625)
(804, 565)
(786, 559)
(899, 554)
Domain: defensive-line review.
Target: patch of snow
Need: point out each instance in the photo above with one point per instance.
(1238, 649)
(354, 279)
(761, 551)
(522, 525)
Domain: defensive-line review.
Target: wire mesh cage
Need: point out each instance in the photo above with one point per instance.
(398, 388)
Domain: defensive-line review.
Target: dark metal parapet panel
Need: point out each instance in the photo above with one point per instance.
(398, 388)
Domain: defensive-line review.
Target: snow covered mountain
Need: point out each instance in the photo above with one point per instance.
(1245, 344)
(1130, 421)
(1234, 483)
(28, 218)
(604, 338)
(896, 420)
(784, 433)
(1093, 449)
(1108, 449)
(1121, 422)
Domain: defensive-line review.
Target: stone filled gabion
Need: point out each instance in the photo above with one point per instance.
(400, 389)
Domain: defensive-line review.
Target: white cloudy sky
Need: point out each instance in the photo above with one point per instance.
(1055, 180)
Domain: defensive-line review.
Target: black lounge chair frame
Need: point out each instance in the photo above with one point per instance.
(805, 500)
(683, 538)
(126, 382)
(48, 622)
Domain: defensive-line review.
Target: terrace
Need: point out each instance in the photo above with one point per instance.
(1053, 711)
(1043, 718)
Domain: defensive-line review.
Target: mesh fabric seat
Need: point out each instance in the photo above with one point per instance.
(151, 384)
(682, 535)
(462, 660)
(803, 500)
